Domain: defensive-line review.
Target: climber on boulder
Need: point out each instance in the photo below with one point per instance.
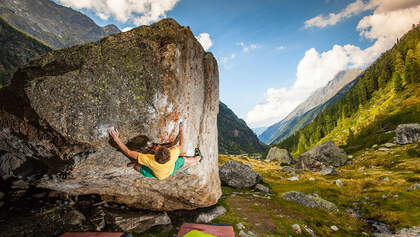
(164, 162)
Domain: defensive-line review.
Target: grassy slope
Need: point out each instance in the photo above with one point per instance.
(363, 190)
(375, 121)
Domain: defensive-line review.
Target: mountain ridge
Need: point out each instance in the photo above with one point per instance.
(56, 25)
(284, 128)
(235, 137)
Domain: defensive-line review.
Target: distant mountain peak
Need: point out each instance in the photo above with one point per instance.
(321, 95)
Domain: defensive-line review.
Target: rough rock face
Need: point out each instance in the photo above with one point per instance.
(407, 133)
(238, 175)
(280, 155)
(56, 113)
(308, 200)
(326, 154)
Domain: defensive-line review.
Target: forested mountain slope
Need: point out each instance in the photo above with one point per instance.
(16, 48)
(387, 94)
(235, 137)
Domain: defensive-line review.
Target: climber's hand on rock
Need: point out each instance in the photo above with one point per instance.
(114, 133)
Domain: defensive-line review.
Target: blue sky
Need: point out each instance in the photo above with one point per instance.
(259, 44)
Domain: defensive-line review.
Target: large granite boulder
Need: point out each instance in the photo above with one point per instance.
(407, 133)
(326, 154)
(280, 155)
(238, 175)
(56, 113)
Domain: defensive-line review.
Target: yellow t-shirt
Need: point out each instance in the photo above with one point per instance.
(161, 171)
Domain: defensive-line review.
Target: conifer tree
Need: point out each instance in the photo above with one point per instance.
(396, 82)
(417, 60)
(301, 144)
(409, 66)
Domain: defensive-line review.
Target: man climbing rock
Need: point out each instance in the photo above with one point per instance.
(165, 160)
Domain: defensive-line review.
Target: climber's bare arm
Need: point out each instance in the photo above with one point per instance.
(114, 134)
(181, 137)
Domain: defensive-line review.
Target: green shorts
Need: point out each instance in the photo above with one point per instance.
(147, 172)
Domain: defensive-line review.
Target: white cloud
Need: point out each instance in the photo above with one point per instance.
(205, 41)
(359, 6)
(246, 48)
(279, 48)
(138, 12)
(316, 69)
(233, 56)
(125, 29)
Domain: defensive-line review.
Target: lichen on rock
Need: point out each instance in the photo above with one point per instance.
(143, 82)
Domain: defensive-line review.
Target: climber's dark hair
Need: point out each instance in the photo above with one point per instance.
(162, 155)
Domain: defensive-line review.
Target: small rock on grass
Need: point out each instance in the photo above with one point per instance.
(330, 170)
(243, 234)
(384, 180)
(297, 228)
(210, 214)
(311, 179)
(339, 183)
(309, 230)
(262, 188)
(334, 228)
(389, 145)
(294, 178)
(414, 187)
(240, 226)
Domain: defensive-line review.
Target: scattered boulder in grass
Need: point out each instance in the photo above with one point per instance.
(326, 154)
(210, 214)
(407, 133)
(389, 145)
(310, 201)
(294, 178)
(334, 228)
(339, 183)
(330, 170)
(414, 187)
(262, 188)
(238, 175)
(297, 229)
(280, 155)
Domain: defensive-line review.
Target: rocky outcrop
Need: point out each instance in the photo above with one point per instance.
(326, 154)
(407, 133)
(135, 222)
(56, 113)
(280, 155)
(311, 201)
(238, 175)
